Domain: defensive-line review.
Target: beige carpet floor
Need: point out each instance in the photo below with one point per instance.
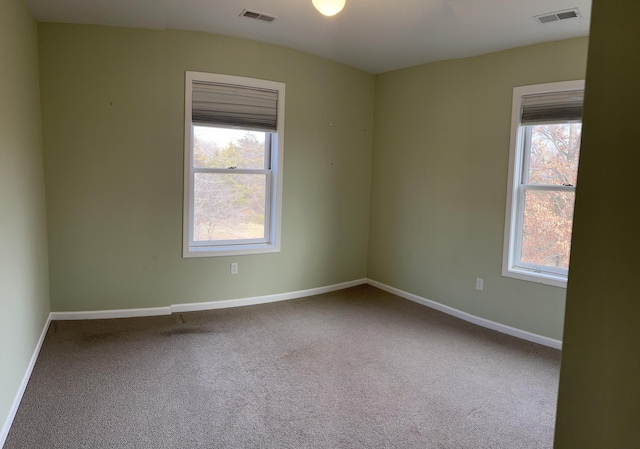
(358, 368)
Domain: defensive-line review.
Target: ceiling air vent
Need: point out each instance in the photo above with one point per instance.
(257, 15)
(572, 13)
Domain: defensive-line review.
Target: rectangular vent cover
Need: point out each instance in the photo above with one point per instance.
(572, 13)
(257, 15)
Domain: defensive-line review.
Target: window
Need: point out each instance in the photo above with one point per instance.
(543, 169)
(233, 165)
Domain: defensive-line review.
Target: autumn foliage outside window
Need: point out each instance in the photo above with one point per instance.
(548, 214)
(545, 151)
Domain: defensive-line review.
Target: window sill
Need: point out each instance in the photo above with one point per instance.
(538, 278)
(228, 250)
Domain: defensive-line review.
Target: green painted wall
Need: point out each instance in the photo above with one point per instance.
(24, 295)
(112, 113)
(440, 166)
(113, 106)
(599, 399)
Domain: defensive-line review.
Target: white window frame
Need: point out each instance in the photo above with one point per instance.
(515, 192)
(274, 175)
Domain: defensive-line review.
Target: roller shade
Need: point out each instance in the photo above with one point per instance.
(232, 106)
(557, 107)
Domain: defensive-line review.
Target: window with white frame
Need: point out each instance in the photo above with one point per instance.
(234, 129)
(546, 129)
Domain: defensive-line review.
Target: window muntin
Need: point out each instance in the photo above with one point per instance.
(233, 160)
(545, 149)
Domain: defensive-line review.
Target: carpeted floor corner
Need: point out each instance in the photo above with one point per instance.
(358, 368)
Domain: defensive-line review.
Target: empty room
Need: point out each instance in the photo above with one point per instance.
(319, 224)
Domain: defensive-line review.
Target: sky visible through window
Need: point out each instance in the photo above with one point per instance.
(221, 137)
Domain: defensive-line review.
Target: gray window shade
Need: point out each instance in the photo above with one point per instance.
(234, 106)
(557, 107)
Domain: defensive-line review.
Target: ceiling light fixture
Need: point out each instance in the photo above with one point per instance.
(328, 7)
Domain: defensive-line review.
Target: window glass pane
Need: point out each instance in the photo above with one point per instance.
(546, 230)
(225, 148)
(555, 150)
(229, 206)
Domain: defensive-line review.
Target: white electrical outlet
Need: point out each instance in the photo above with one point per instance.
(234, 268)
(479, 284)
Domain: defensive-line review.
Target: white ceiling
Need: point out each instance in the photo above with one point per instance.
(373, 35)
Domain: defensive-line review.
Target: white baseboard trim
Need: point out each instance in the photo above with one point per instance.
(23, 385)
(197, 306)
(107, 314)
(227, 303)
(223, 304)
(529, 336)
